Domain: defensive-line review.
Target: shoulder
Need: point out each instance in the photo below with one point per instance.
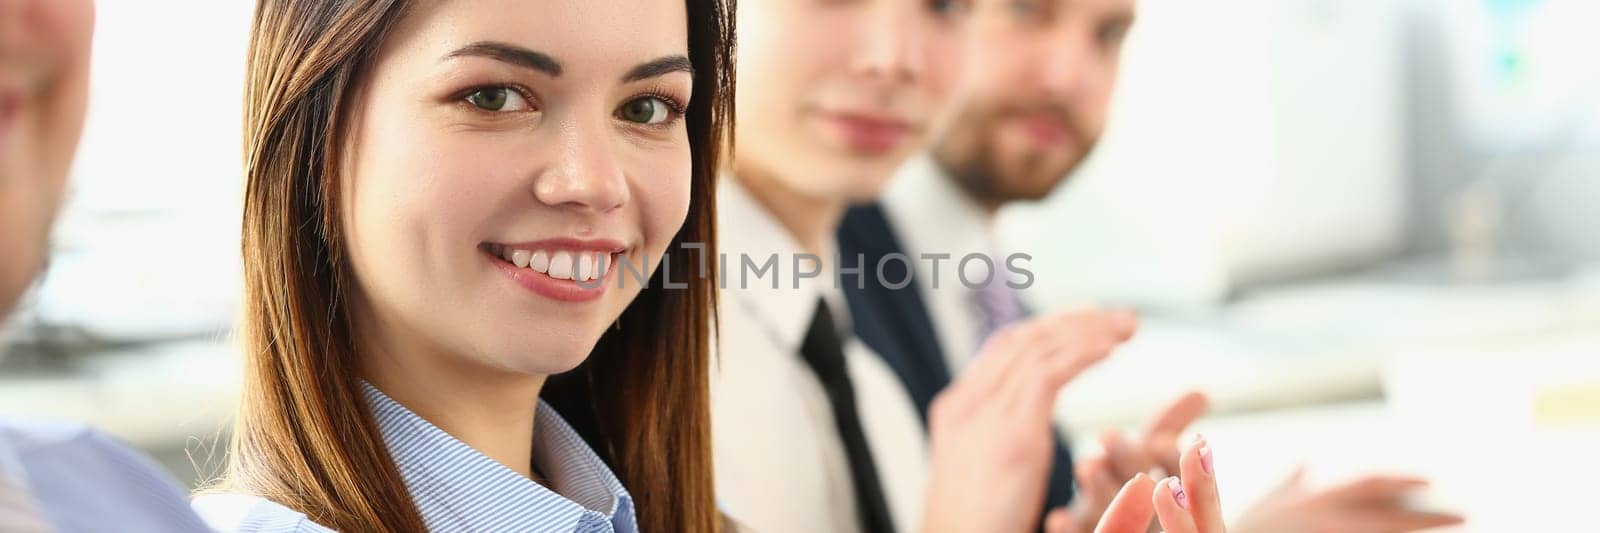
(28, 435)
(51, 451)
(247, 513)
(85, 479)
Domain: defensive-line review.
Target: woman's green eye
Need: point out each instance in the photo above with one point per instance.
(497, 99)
(646, 110)
(1024, 8)
(947, 7)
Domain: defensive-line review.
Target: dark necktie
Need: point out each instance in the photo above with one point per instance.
(824, 353)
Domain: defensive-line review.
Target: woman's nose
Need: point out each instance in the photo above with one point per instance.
(586, 173)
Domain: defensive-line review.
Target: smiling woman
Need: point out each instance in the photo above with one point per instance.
(432, 190)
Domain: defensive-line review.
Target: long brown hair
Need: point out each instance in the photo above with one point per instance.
(304, 437)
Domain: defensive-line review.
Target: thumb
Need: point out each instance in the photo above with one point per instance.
(1060, 520)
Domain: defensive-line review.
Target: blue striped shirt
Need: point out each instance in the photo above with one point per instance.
(457, 488)
(82, 480)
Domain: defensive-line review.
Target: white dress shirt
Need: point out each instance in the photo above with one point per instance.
(780, 464)
(931, 215)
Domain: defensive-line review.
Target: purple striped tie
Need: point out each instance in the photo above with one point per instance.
(1000, 307)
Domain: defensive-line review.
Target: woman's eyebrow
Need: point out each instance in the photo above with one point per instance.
(510, 53)
(659, 67)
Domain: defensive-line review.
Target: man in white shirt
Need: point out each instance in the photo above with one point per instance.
(1033, 105)
(1029, 109)
(811, 432)
(775, 427)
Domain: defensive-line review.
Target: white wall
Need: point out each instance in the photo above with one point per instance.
(1530, 135)
(147, 245)
(1249, 139)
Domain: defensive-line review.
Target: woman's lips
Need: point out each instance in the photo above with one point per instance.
(564, 270)
(868, 134)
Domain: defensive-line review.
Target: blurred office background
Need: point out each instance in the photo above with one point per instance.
(1365, 227)
(129, 327)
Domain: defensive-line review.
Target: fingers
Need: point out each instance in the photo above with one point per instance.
(1095, 479)
(1063, 346)
(1395, 520)
(1030, 377)
(1172, 507)
(1175, 419)
(1047, 353)
(1131, 510)
(1377, 503)
(1294, 483)
(1162, 450)
(1097, 485)
(1161, 436)
(990, 373)
(994, 358)
(1125, 460)
(1085, 337)
(1060, 520)
(1200, 482)
(1124, 323)
(1001, 354)
(1373, 488)
(1087, 469)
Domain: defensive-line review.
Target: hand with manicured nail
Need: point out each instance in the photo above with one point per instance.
(1185, 504)
(991, 439)
(1101, 475)
(1189, 503)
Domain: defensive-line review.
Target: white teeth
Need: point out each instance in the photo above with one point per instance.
(540, 261)
(585, 267)
(561, 265)
(577, 266)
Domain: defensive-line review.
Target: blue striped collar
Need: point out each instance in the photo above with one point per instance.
(457, 488)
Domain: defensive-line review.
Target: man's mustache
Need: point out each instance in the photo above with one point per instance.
(1062, 114)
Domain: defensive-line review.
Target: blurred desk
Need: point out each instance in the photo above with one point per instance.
(1168, 358)
(1507, 432)
(1319, 342)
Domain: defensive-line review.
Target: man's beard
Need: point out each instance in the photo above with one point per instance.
(976, 165)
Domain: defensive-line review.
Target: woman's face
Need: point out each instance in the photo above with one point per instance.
(44, 88)
(835, 94)
(508, 163)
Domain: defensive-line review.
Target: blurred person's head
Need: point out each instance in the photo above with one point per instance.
(836, 94)
(44, 78)
(460, 193)
(1034, 101)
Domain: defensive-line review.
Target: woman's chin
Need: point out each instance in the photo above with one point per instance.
(554, 356)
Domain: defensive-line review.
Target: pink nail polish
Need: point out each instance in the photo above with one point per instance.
(1205, 459)
(1178, 493)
